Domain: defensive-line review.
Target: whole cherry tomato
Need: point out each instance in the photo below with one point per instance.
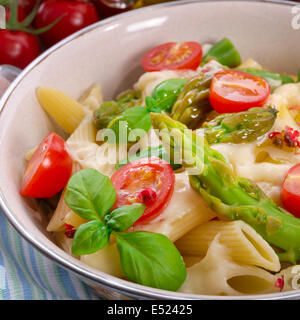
(173, 56)
(22, 14)
(18, 48)
(75, 15)
(149, 181)
(48, 170)
(28, 5)
(105, 11)
(235, 91)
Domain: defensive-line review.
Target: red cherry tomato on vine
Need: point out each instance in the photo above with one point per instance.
(149, 181)
(28, 5)
(75, 16)
(235, 91)
(18, 48)
(173, 56)
(105, 11)
(48, 170)
(22, 14)
(290, 192)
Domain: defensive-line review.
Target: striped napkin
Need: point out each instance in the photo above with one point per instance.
(25, 274)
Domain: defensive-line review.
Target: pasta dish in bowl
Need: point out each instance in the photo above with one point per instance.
(186, 180)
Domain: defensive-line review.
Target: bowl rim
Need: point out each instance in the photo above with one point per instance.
(110, 282)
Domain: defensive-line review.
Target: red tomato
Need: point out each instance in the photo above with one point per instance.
(173, 56)
(290, 192)
(49, 169)
(18, 48)
(235, 91)
(28, 5)
(149, 181)
(75, 16)
(22, 14)
(105, 11)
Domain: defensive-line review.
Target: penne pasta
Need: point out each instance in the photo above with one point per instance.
(106, 260)
(218, 274)
(67, 112)
(92, 98)
(244, 244)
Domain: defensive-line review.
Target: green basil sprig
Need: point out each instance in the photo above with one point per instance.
(147, 258)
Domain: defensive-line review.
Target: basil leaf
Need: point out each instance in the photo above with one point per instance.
(90, 237)
(156, 152)
(124, 217)
(151, 259)
(166, 93)
(90, 194)
(134, 118)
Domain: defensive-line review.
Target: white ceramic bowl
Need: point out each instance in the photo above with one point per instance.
(110, 53)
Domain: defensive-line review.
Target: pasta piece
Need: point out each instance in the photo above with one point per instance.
(218, 274)
(84, 149)
(286, 99)
(106, 260)
(291, 277)
(244, 244)
(64, 243)
(191, 260)
(62, 213)
(86, 131)
(92, 98)
(67, 112)
(185, 211)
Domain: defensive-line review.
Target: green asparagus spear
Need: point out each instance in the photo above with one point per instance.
(192, 104)
(275, 79)
(239, 127)
(231, 196)
(110, 109)
(225, 53)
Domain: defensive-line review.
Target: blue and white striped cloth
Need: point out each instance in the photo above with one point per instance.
(25, 274)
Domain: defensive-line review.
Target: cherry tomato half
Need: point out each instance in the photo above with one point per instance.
(173, 56)
(290, 192)
(48, 170)
(235, 91)
(149, 181)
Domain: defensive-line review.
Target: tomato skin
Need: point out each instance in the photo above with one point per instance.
(22, 14)
(105, 11)
(78, 14)
(290, 192)
(133, 178)
(28, 5)
(48, 170)
(18, 48)
(235, 91)
(173, 56)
